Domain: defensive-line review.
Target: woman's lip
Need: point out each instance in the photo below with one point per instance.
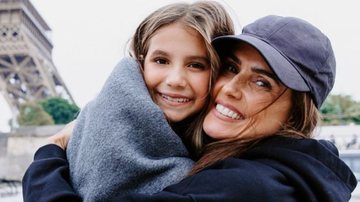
(229, 107)
(221, 116)
(225, 113)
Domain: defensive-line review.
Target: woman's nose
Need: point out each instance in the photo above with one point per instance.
(233, 88)
(176, 77)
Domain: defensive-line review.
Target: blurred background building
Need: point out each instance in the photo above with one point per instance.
(27, 72)
(27, 75)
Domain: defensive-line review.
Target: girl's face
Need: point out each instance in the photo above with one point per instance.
(177, 71)
(249, 99)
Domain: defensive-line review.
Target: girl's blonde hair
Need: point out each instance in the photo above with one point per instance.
(301, 123)
(209, 18)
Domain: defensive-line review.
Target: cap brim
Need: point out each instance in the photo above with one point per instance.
(282, 67)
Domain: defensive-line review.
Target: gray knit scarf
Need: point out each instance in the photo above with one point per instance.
(122, 142)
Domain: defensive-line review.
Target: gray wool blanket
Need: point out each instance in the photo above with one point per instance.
(122, 142)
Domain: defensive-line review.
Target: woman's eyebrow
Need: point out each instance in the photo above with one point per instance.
(266, 73)
(234, 59)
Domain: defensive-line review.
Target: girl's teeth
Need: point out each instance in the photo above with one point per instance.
(227, 112)
(179, 100)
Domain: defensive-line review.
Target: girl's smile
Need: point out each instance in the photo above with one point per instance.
(177, 71)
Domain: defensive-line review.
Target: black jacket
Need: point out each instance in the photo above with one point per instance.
(277, 169)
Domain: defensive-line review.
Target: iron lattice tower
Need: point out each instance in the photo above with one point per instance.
(27, 72)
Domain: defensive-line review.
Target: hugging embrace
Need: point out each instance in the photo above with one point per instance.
(200, 114)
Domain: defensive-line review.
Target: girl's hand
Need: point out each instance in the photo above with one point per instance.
(62, 137)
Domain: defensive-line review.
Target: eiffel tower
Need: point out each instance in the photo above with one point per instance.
(27, 72)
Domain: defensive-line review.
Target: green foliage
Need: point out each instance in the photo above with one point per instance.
(340, 110)
(32, 114)
(60, 109)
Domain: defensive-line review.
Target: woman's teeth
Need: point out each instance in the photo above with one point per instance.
(227, 112)
(172, 99)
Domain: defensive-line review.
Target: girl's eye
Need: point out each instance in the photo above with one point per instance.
(263, 84)
(160, 61)
(197, 66)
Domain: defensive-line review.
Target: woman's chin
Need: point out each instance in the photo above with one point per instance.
(212, 129)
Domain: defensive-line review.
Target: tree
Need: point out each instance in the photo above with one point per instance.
(340, 110)
(32, 114)
(60, 109)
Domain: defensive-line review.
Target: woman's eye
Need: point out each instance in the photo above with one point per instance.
(263, 84)
(233, 69)
(229, 68)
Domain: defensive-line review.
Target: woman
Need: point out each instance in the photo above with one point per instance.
(275, 76)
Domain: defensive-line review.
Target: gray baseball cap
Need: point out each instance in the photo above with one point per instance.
(299, 53)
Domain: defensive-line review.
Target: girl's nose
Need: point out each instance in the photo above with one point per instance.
(176, 77)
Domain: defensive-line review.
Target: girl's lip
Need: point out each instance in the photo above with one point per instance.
(174, 100)
(174, 95)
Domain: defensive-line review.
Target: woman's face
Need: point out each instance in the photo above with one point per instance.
(177, 71)
(249, 99)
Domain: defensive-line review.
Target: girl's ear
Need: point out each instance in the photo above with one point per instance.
(141, 61)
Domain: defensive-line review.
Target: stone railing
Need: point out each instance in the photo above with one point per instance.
(17, 149)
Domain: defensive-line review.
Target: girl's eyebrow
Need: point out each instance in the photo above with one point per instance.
(201, 58)
(266, 73)
(195, 57)
(159, 52)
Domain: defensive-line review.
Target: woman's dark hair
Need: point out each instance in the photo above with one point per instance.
(301, 123)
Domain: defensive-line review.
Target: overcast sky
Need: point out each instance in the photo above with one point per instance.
(89, 36)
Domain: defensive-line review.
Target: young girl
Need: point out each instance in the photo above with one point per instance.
(122, 141)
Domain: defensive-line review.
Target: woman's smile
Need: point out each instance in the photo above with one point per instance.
(227, 112)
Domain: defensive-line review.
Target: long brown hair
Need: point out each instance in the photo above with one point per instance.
(209, 18)
(302, 121)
